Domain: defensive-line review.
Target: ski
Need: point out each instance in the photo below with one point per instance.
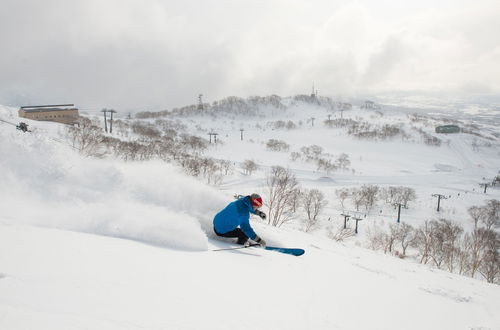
(237, 248)
(291, 251)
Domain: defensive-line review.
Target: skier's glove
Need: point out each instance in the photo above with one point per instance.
(261, 214)
(260, 241)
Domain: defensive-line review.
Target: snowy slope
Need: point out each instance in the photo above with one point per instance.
(53, 279)
(453, 169)
(102, 244)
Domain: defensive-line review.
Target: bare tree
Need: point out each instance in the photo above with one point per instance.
(423, 241)
(194, 144)
(369, 195)
(491, 218)
(437, 246)
(453, 234)
(389, 194)
(313, 202)
(366, 195)
(390, 238)
(295, 199)
(249, 166)
(406, 195)
(477, 241)
(401, 195)
(405, 236)
(191, 165)
(277, 145)
(463, 255)
(165, 148)
(490, 266)
(339, 233)
(444, 239)
(145, 131)
(294, 156)
(312, 152)
(325, 164)
(86, 137)
(226, 166)
(343, 161)
(290, 125)
(281, 187)
(377, 238)
(342, 195)
(357, 197)
(476, 213)
(128, 150)
(481, 238)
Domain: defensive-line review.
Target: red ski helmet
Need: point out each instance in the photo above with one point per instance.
(256, 200)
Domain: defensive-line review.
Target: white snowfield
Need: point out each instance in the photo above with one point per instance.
(55, 279)
(102, 244)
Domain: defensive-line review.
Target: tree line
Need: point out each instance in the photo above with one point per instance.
(367, 196)
(447, 245)
(164, 140)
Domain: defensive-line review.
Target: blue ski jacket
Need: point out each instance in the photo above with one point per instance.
(235, 214)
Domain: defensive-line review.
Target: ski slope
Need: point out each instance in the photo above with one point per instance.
(103, 244)
(54, 279)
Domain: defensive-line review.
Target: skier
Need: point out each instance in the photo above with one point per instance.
(234, 220)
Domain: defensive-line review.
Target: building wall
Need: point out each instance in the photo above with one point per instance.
(68, 116)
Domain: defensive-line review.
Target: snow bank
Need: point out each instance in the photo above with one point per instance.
(47, 184)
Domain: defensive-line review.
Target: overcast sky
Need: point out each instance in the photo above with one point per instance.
(153, 54)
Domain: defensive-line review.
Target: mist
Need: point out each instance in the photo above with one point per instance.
(143, 55)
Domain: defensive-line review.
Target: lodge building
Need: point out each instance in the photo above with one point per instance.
(61, 113)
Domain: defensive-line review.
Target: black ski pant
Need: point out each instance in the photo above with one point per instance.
(242, 238)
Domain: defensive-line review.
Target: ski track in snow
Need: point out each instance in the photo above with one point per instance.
(447, 294)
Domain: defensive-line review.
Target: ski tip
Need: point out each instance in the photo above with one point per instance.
(291, 251)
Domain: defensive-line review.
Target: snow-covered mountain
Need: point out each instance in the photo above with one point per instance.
(101, 243)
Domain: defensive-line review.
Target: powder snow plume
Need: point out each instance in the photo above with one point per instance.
(45, 183)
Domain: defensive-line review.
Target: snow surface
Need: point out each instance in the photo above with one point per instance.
(102, 244)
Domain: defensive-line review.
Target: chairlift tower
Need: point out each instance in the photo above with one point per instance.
(439, 196)
(399, 205)
(200, 102)
(111, 120)
(214, 135)
(346, 218)
(357, 220)
(485, 185)
(105, 120)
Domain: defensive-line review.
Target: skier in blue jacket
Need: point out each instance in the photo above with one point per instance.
(234, 220)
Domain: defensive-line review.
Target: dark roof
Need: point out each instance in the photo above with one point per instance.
(48, 108)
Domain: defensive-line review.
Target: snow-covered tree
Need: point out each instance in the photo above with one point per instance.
(313, 202)
(249, 166)
(281, 187)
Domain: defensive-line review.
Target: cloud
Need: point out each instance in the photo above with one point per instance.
(382, 63)
(138, 55)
